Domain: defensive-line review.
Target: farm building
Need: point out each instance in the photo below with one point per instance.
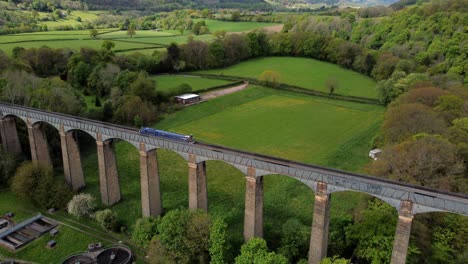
(188, 98)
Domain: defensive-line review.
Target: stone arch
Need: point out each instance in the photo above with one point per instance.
(172, 171)
(76, 143)
(286, 198)
(44, 140)
(15, 116)
(395, 203)
(183, 155)
(68, 129)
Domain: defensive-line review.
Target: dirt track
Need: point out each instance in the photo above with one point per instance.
(218, 93)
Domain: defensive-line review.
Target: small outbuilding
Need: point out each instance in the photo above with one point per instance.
(375, 153)
(188, 98)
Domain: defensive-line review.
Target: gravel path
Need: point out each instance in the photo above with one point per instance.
(218, 93)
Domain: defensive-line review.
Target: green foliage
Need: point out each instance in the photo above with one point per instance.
(374, 233)
(107, 45)
(108, 219)
(143, 87)
(255, 251)
(37, 184)
(8, 164)
(145, 229)
(218, 241)
(335, 260)
(185, 236)
(295, 238)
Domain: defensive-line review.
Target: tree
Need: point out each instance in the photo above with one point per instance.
(93, 33)
(218, 240)
(184, 237)
(425, 159)
(133, 106)
(255, 251)
(450, 107)
(82, 204)
(37, 184)
(131, 31)
(108, 219)
(145, 229)
(107, 45)
(270, 78)
(424, 95)
(335, 260)
(332, 85)
(7, 167)
(235, 15)
(144, 87)
(384, 66)
(374, 233)
(407, 120)
(295, 240)
(102, 79)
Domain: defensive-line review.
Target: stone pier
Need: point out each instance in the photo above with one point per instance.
(71, 158)
(38, 142)
(320, 222)
(198, 194)
(403, 231)
(151, 204)
(10, 139)
(253, 218)
(108, 174)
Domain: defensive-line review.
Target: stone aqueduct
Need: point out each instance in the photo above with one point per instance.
(407, 199)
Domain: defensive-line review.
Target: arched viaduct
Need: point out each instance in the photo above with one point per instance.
(407, 199)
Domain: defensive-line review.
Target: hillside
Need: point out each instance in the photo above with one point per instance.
(318, 3)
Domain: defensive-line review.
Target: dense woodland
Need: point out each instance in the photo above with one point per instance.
(418, 55)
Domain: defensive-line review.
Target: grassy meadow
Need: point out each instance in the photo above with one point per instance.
(166, 83)
(230, 26)
(306, 73)
(272, 122)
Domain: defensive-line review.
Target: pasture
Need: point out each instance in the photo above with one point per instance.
(166, 83)
(76, 44)
(306, 73)
(144, 41)
(263, 120)
(230, 26)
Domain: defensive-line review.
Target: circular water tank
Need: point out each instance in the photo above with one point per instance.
(80, 258)
(115, 255)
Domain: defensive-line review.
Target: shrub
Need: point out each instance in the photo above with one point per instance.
(145, 229)
(37, 184)
(82, 204)
(108, 219)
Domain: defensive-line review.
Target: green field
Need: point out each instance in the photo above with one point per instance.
(306, 73)
(138, 34)
(145, 41)
(166, 83)
(283, 124)
(70, 20)
(76, 44)
(229, 26)
(50, 36)
(286, 125)
(171, 39)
